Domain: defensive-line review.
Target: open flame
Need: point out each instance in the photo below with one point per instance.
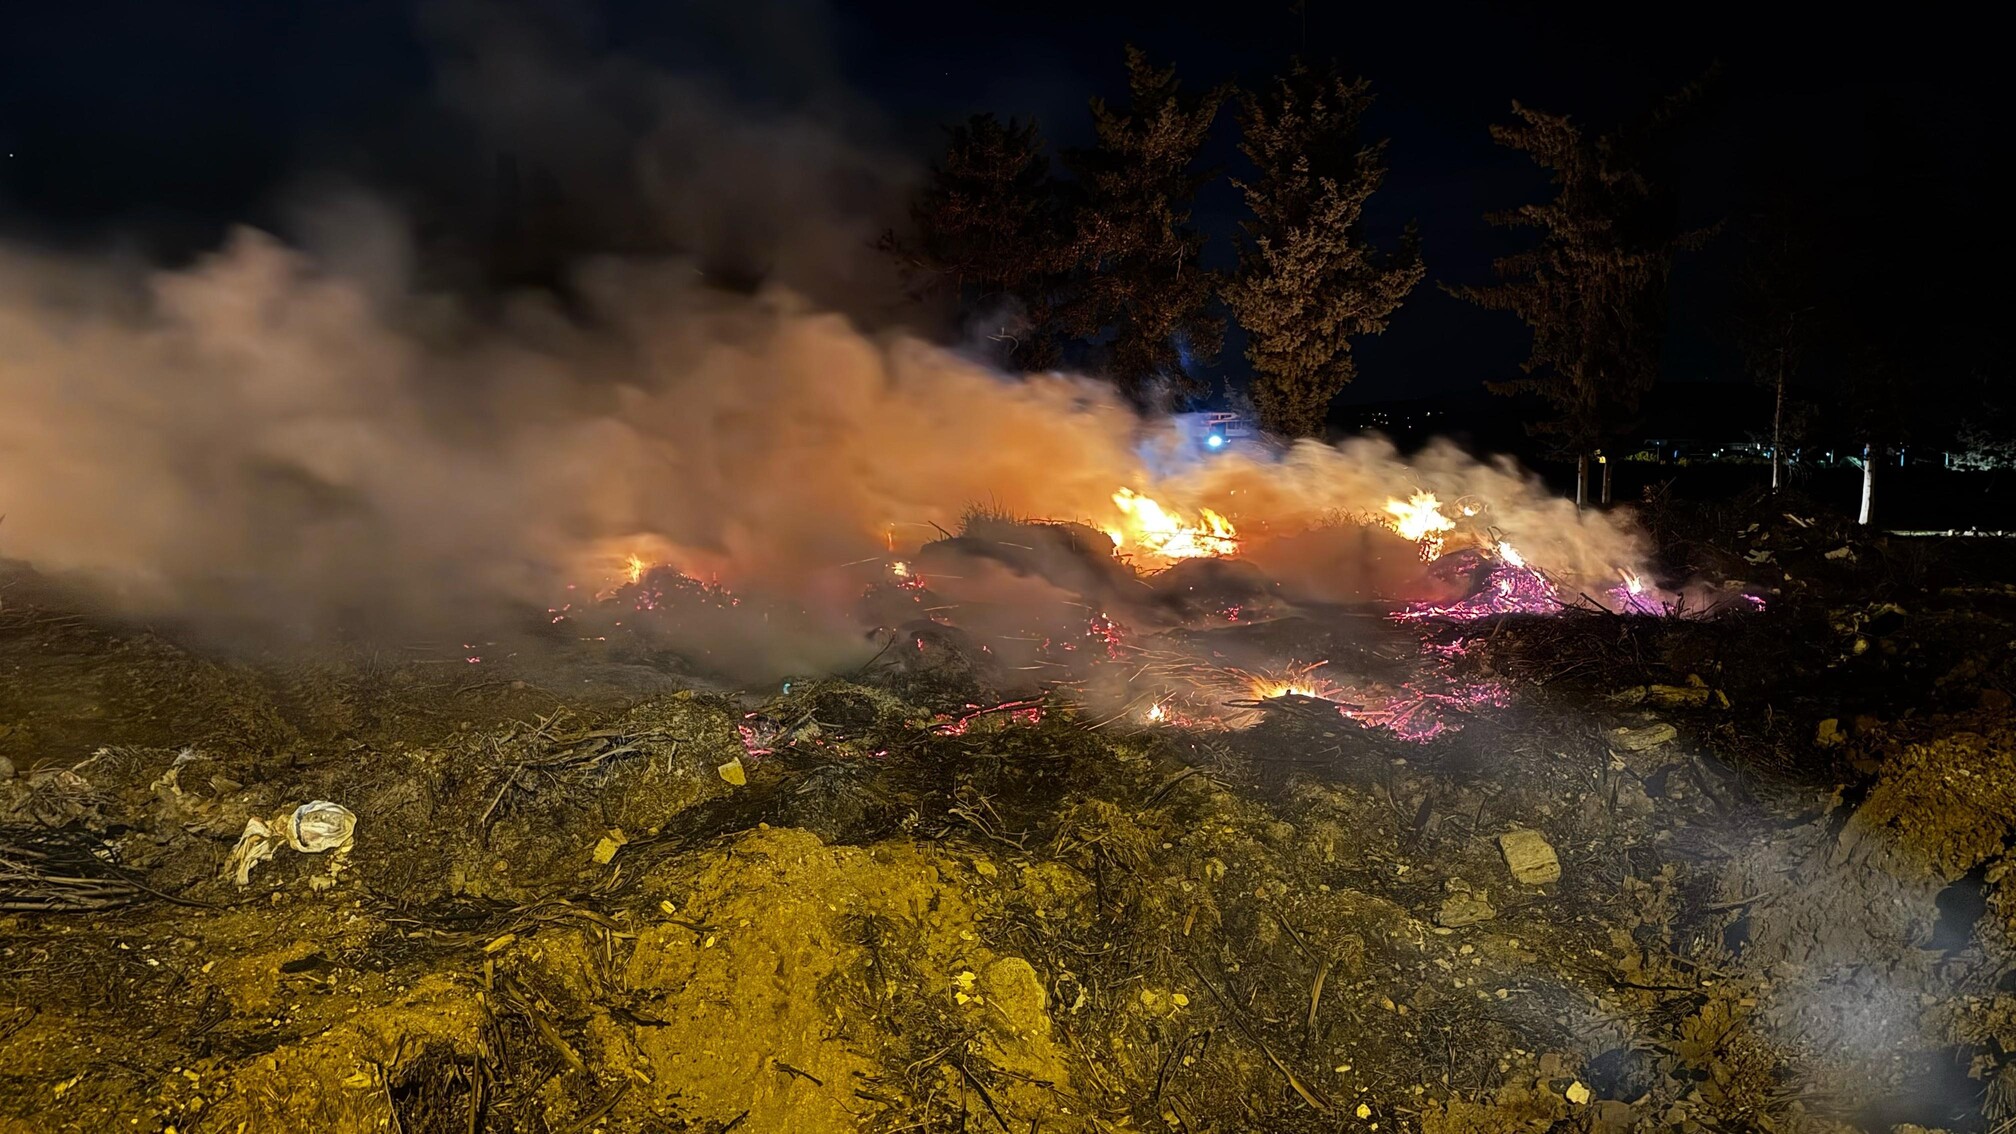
(1295, 681)
(1420, 519)
(1150, 527)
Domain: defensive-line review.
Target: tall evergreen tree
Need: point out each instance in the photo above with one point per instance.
(1594, 289)
(991, 228)
(1142, 291)
(1308, 279)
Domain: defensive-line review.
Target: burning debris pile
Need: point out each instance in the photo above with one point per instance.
(1170, 619)
(725, 769)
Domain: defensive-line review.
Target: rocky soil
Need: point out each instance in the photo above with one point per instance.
(1695, 874)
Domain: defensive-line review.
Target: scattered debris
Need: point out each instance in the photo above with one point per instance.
(608, 845)
(311, 828)
(927, 899)
(1465, 908)
(1643, 739)
(1530, 856)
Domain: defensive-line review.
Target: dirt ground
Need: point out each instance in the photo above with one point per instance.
(586, 892)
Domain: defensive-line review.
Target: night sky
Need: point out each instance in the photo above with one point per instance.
(155, 124)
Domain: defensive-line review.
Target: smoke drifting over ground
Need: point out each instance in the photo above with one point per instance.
(351, 432)
(259, 439)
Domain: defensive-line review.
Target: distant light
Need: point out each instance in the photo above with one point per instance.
(1215, 441)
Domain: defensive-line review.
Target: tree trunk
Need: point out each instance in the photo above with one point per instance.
(1606, 480)
(1581, 480)
(1778, 426)
(1868, 484)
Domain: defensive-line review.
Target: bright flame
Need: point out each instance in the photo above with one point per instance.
(1297, 681)
(1632, 583)
(1510, 555)
(635, 569)
(1153, 528)
(1157, 712)
(1420, 519)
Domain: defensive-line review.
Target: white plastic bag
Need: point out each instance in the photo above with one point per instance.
(312, 828)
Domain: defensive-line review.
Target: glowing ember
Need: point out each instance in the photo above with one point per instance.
(1512, 587)
(1158, 712)
(1419, 715)
(662, 588)
(760, 734)
(1420, 519)
(1028, 712)
(1632, 596)
(1155, 529)
(1111, 633)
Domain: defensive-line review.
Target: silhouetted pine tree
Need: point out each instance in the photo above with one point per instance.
(1142, 291)
(1594, 290)
(992, 229)
(1308, 280)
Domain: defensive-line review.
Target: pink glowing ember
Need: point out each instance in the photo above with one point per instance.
(1511, 587)
(1103, 629)
(1419, 715)
(1028, 712)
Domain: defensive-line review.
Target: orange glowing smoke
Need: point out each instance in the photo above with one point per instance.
(1147, 526)
(1420, 519)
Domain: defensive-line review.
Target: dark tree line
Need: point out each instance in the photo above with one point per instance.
(1593, 289)
(1102, 267)
(1091, 260)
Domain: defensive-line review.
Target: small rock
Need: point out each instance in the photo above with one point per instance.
(1609, 1116)
(1017, 994)
(733, 773)
(608, 845)
(1640, 739)
(1829, 734)
(1530, 856)
(1578, 1093)
(6, 768)
(1464, 908)
(1631, 798)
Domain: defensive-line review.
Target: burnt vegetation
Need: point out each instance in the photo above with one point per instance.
(904, 900)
